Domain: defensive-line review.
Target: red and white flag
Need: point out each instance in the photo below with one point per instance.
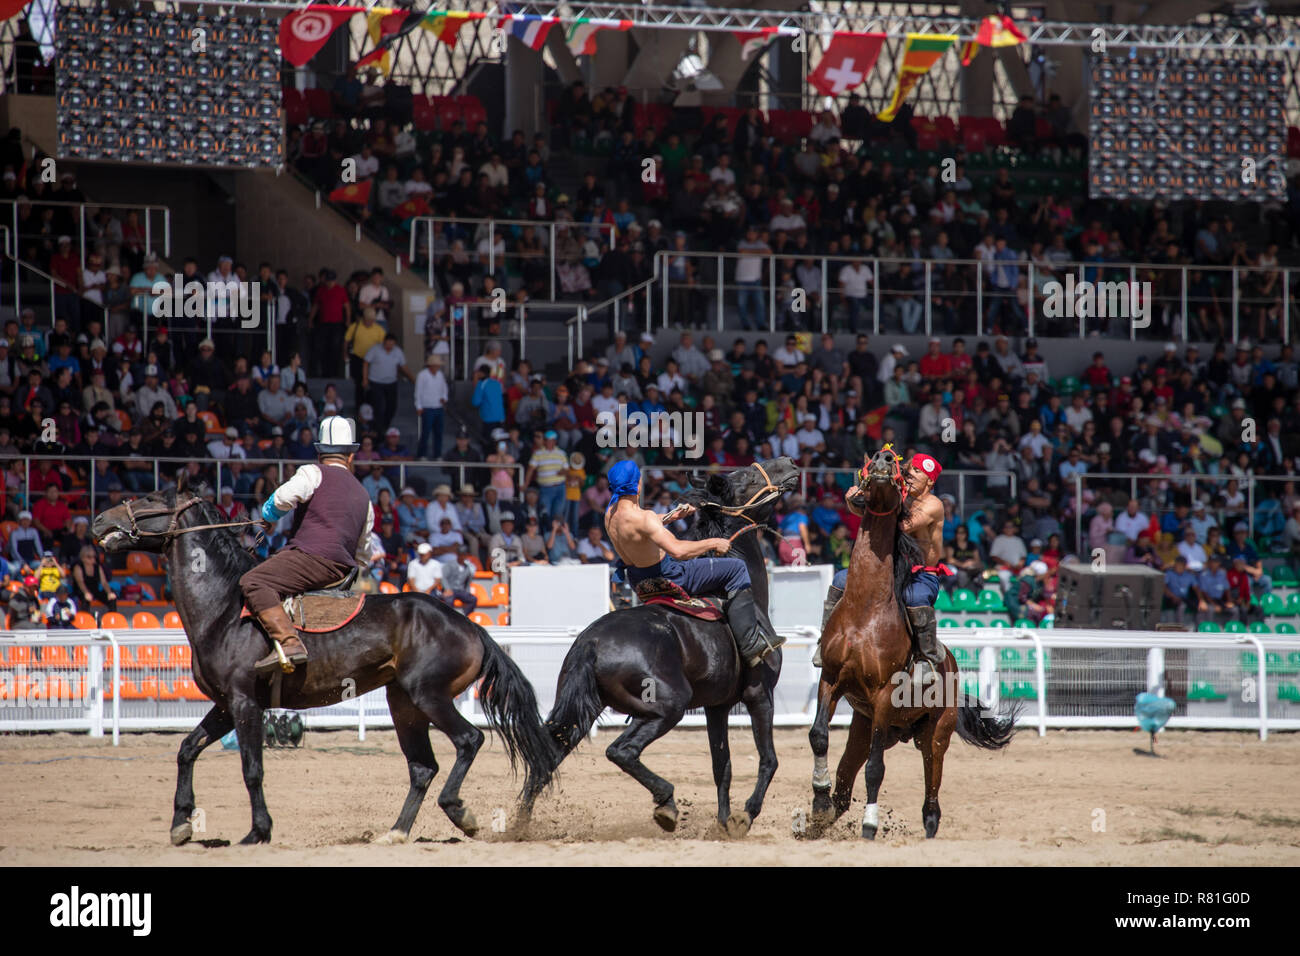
(304, 32)
(846, 62)
(752, 41)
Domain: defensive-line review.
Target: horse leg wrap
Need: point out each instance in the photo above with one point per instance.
(821, 774)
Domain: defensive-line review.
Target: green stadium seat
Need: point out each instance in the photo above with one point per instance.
(1025, 622)
(1275, 663)
(1047, 624)
(1235, 627)
(948, 622)
(964, 600)
(975, 622)
(1010, 659)
(990, 601)
(1284, 627)
(1259, 627)
(1204, 690)
(964, 658)
(1288, 692)
(1019, 690)
(1249, 662)
(998, 622)
(1284, 576)
(943, 602)
(1208, 627)
(1292, 661)
(1292, 605)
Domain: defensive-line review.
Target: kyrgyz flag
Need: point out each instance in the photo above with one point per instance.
(581, 37)
(415, 206)
(358, 194)
(920, 52)
(385, 27)
(304, 32)
(846, 62)
(875, 420)
(445, 24)
(993, 32)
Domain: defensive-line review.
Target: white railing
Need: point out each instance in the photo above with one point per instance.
(1063, 678)
(147, 213)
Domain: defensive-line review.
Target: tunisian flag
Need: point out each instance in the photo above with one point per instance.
(303, 33)
(846, 62)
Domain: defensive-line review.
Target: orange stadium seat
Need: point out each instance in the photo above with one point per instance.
(114, 621)
(183, 688)
(481, 619)
(211, 422)
(144, 619)
(387, 587)
(503, 619)
(481, 594)
(14, 656)
(179, 655)
(172, 619)
(138, 562)
(146, 655)
(85, 621)
(501, 594)
(63, 657)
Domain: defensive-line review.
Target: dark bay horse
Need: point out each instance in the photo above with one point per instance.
(684, 661)
(420, 650)
(865, 655)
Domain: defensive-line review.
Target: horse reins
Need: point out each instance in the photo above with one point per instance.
(896, 478)
(173, 529)
(765, 495)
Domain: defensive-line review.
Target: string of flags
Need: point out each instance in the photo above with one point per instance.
(844, 65)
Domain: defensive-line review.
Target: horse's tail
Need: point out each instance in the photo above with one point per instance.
(577, 700)
(978, 726)
(510, 705)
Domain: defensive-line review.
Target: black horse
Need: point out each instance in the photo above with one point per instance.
(423, 652)
(654, 664)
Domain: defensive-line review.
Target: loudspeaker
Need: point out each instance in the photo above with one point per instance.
(1126, 597)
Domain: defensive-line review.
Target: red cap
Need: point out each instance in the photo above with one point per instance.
(929, 467)
(29, 581)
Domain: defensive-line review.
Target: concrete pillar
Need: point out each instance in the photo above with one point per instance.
(524, 95)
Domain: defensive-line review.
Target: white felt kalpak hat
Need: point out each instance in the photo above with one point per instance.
(337, 436)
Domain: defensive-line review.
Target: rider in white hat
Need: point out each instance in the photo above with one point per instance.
(332, 518)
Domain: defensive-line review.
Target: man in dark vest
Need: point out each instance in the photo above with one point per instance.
(332, 519)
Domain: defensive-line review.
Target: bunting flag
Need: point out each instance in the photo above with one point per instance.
(445, 24)
(304, 32)
(846, 62)
(356, 193)
(11, 8)
(529, 29)
(752, 41)
(385, 26)
(581, 37)
(993, 32)
(920, 52)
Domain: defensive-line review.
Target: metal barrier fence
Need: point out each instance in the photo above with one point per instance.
(959, 295)
(147, 213)
(140, 680)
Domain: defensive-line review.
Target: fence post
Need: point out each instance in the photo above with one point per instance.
(1078, 516)
(1263, 683)
(825, 299)
(523, 338)
(1031, 298)
(771, 294)
(979, 299)
(552, 252)
(875, 303)
(167, 232)
(929, 292)
(81, 234)
(1236, 335)
(1286, 306)
(721, 304)
(1040, 678)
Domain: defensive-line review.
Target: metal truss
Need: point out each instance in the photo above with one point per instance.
(1276, 36)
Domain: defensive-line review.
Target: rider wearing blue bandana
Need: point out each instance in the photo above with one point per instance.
(650, 550)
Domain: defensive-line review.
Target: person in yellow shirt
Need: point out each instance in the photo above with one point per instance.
(360, 337)
(574, 478)
(49, 575)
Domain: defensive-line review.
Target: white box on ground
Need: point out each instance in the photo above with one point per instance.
(566, 595)
(797, 594)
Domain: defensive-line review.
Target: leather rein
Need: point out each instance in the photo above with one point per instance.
(896, 478)
(173, 529)
(765, 495)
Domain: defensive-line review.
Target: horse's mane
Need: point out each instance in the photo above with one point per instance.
(234, 559)
(907, 553)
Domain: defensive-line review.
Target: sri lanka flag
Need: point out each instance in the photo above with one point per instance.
(994, 31)
(920, 52)
(581, 37)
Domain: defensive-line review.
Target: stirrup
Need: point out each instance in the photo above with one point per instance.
(278, 659)
(923, 672)
(768, 647)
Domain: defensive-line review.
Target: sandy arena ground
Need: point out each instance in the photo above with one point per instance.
(1073, 797)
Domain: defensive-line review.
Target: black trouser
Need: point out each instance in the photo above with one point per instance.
(383, 399)
(329, 347)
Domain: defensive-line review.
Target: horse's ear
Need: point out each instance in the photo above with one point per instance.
(182, 480)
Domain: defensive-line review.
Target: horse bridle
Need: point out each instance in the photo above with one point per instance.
(896, 478)
(765, 495)
(173, 529)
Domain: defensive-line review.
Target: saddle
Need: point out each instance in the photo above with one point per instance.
(665, 593)
(319, 612)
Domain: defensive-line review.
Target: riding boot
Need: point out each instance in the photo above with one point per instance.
(930, 652)
(280, 629)
(750, 627)
(832, 598)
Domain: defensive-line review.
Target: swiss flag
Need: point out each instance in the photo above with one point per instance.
(846, 62)
(303, 33)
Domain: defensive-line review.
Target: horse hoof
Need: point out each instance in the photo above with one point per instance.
(467, 824)
(255, 837)
(391, 838)
(738, 825)
(666, 815)
(868, 831)
(182, 833)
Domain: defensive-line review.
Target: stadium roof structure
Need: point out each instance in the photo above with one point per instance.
(1226, 33)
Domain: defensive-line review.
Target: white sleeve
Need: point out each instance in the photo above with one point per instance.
(293, 492)
(363, 552)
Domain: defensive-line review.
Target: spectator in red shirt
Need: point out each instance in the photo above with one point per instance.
(960, 359)
(934, 364)
(1097, 374)
(45, 476)
(50, 514)
(65, 266)
(330, 313)
(1239, 581)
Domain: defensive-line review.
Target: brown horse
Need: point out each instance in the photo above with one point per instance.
(865, 655)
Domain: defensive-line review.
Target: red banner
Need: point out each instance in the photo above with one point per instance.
(846, 62)
(303, 33)
(11, 8)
